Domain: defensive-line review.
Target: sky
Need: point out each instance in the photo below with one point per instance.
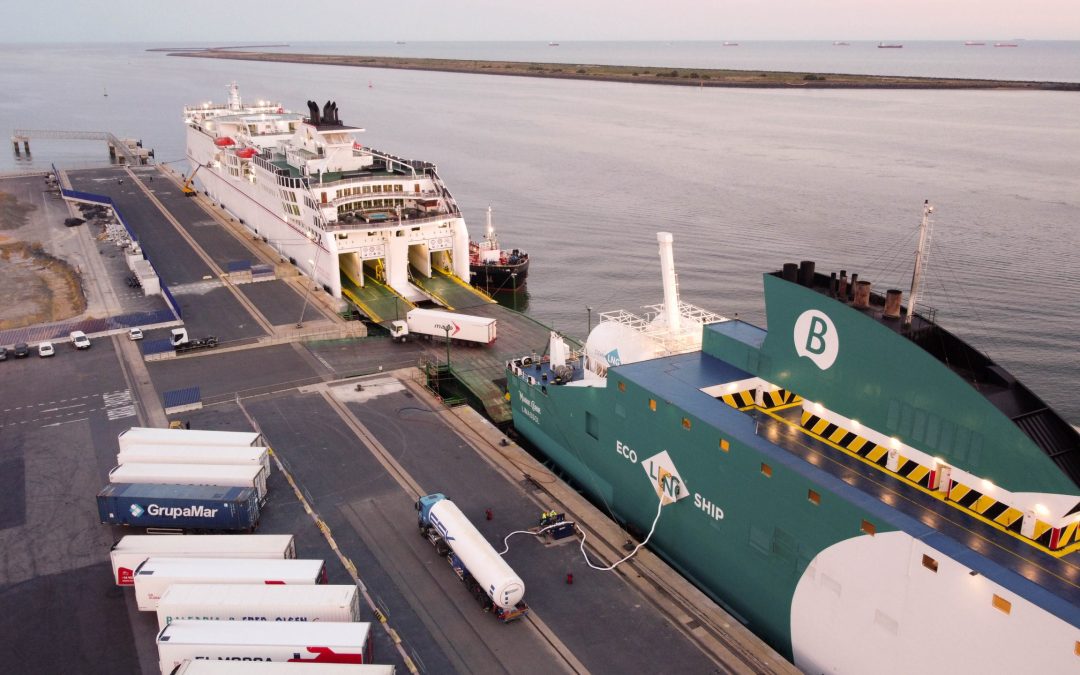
(248, 21)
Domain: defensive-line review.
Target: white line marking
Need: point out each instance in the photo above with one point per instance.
(77, 405)
(56, 424)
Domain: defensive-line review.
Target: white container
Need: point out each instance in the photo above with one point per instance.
(461, 326)
(155, 575)
(152, 436)
(503, 586)
(128, 553)
(195, 454)
(251, 602)
(224, 475)
(323, 641)
(272, 668)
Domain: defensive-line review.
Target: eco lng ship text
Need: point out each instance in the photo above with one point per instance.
(376, 231)
(864, 490)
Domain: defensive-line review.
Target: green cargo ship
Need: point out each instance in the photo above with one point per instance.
(862, 489)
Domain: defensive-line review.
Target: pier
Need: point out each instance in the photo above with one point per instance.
(121, 150)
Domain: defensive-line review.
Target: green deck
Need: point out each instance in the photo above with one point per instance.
(376, 300)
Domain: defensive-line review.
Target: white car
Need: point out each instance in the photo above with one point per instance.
(45, 349)
(135, 334)
(79, 339)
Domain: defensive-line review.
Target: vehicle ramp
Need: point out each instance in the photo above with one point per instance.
(449, 290)
(374, 299)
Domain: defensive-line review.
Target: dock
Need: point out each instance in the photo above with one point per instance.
(357, 436)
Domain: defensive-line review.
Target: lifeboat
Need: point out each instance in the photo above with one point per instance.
(224, 142)
(246, 153)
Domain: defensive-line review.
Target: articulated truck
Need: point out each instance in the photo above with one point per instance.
(431, 323)
(483, 571)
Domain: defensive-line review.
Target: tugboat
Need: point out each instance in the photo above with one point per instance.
(495, 270)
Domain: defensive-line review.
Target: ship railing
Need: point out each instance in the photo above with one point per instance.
(360, 225)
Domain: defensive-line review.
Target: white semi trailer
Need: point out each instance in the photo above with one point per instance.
(155, 436)
(321, 642)
(433, 323)
(224, 475)
(195, 454)
(154, 576)
(130, 552)
(252, 602)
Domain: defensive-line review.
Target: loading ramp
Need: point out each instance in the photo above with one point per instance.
(374, 299)
(449, 290)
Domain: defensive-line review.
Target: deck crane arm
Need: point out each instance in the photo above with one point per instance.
(186, 187)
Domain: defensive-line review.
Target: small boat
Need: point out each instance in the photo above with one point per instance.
(493, 269)
(731, 44)
(553, 44)
(973, 43)
(1006, 44)
(840, 43)
(890, 45)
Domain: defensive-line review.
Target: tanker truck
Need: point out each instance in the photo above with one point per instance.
(483, 571)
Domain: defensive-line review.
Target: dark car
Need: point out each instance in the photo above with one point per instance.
(21, 351)
(3, 353)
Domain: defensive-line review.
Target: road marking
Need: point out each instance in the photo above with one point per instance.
(77, 405)
(119, 404)
(56, 424)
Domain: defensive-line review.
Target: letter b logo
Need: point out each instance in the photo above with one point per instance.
(816, 338)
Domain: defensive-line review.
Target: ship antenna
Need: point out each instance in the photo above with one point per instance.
(921, 255)
(671, 286)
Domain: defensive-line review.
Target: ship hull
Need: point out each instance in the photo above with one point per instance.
(499, 278)
(805, 576)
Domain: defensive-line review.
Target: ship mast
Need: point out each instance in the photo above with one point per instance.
(921, 255)
(234, 96)
(489, 232)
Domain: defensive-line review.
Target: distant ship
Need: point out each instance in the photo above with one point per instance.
(495, 270)
(731, 44)
(1006, 44)
(553, 44)
(972, 43)
(839, 43)
(379, 232)
(890, 45)
(857, 485)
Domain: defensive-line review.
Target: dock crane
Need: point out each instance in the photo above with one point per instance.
(186, 187)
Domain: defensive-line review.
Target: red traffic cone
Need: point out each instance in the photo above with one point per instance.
(569, 578)
(488, 514)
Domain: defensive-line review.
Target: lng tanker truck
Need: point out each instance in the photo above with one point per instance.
(483, 571)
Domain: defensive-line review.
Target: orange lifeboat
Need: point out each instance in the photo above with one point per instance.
(224, 142)
(246, 153)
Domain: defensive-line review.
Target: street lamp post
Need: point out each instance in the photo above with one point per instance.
(448, 348)
(513, 285)
(589, 330)
(307, 295)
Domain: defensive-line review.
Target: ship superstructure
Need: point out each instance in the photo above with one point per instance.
(865, 491)
(372, 228)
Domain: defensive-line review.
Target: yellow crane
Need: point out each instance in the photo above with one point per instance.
(186, 187)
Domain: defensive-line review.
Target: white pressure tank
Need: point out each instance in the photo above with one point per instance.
(503, 586)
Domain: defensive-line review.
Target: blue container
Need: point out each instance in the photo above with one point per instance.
(189, 507)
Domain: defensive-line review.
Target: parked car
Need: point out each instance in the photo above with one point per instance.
(135, 334)
(79, 339)
(21, 350)
(3, 353)
(46, 349)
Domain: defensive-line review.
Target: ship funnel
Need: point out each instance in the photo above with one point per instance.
(672, 315)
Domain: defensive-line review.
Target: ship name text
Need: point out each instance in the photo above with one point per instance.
(529, 408)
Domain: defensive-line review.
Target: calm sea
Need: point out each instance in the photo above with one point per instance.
(583, 174)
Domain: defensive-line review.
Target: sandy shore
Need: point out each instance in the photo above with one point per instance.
(687, 77)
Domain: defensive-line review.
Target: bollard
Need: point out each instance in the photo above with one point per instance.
(569, 578)
(488, 514)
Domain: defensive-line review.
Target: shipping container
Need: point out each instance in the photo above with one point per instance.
(319, 642)
(252, 602)
(151, 436)
(272, 668)
(130, 551)
(155, 575)
(228, 475)
(197, 454)
(207, 508)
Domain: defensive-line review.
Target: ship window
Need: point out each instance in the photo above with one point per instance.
(929, 563)
(622, 386)
(652, 404)
(813, 497)
(725, 446)
(686, 423)
(766, 470)
(592, 425)
(1001, 604)
(868, 528)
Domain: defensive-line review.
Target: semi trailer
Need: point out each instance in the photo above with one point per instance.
(154, 575)
(226, 475)
(128, 553)
(252, 602)
(431, 323)
(209, 508)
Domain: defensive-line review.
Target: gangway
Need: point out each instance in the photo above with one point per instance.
(380, 303)
(449, 290)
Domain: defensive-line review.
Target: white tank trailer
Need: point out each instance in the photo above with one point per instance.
(478, 565)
